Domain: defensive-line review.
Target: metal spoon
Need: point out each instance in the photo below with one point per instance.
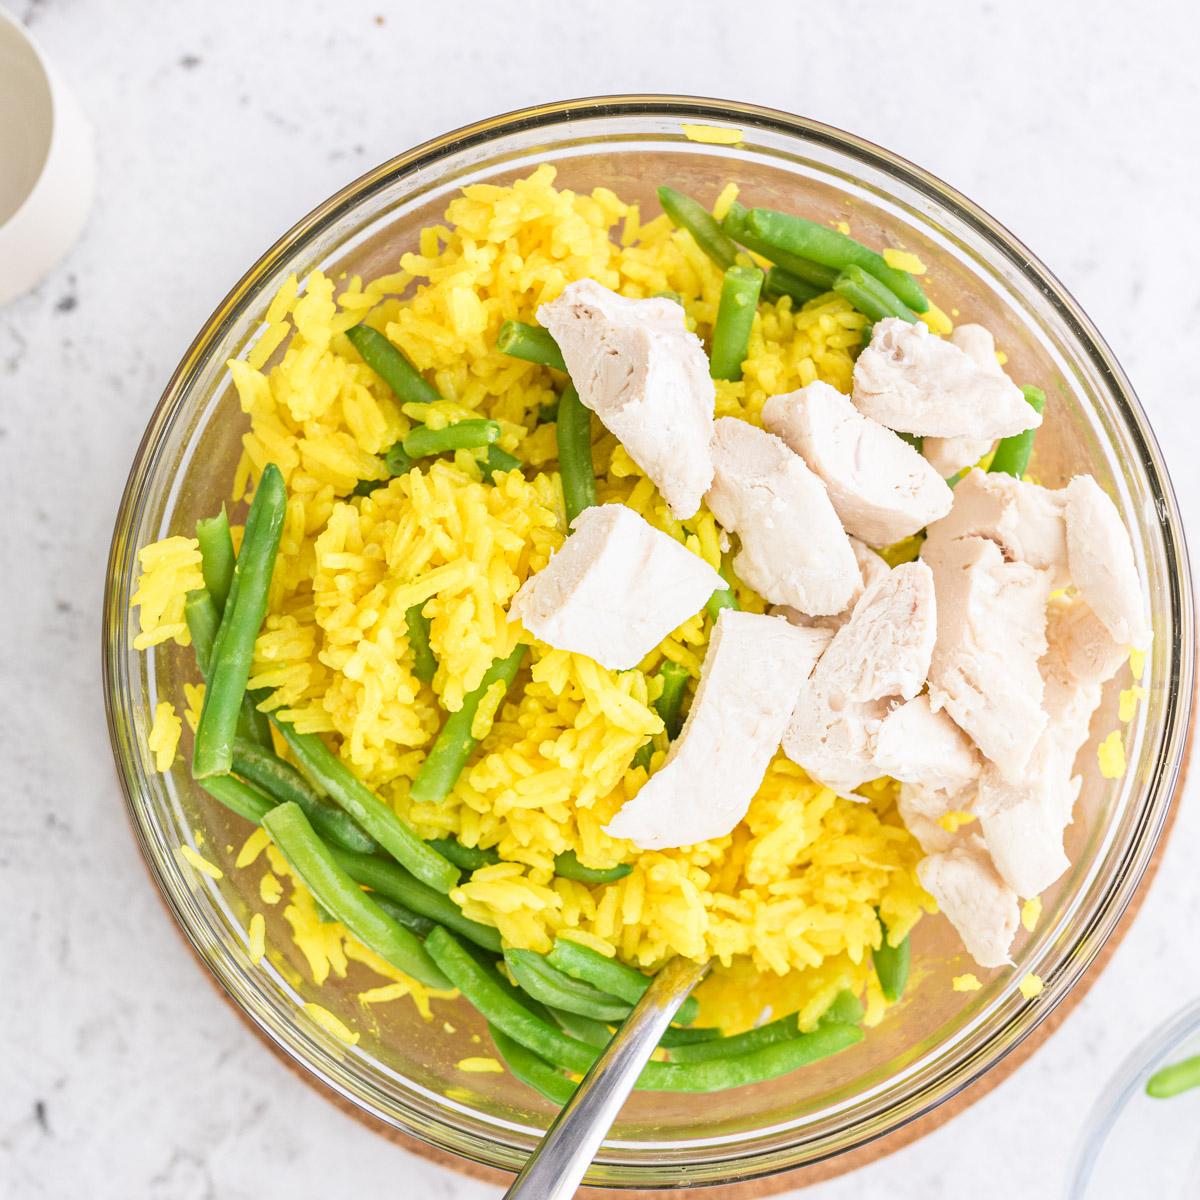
(558, 1164)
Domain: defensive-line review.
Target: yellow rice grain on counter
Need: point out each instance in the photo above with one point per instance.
(163, 738)
(786, 903)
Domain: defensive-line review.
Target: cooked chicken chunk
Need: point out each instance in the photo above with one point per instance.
(754, 667)
(881, 652)
(880, 487)
(1081, 649)
(1102, 566)
(914, 382)
(920, 807)
(616, 588)
(1024, 520)
(919, 746)
(872, 567)
(794, 549)
(645, 376)
(975, 900)
(991, 618)
(948, 456)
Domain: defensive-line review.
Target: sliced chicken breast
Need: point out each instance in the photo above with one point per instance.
(615, 589)
(919, 746)
(982, 908)
(645, 376)
(1080, 647)
(1102, 565)
(920, 807)
(794, 550)
(872, 567)
(1023, 519)
(914, 382)
(880, 487)
(991, 617)
(948, 456)
(882, 651)
(753, 669)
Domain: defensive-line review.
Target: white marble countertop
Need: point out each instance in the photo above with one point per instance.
(122, 1073)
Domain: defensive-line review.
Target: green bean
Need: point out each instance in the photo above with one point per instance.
(689, 214)
(246, 607)
(216, 556)
(724, 597)
(203, 622)
(424, 664)
(454, 743)
(394, 882)
(365, 487)
(846, 1009)
(583, 1029)
(548, 413)
(462, 435)
(413, 922)
(574, 432)
(735, 320)
(486, 992)
(531, 1070)
(280, 779)
(870, 297)
(469, 858)
(780, 1030)
(611, 976)
(330, 775)
(567, 865)
(891, 964)
(499, 460)
(549, 985)
(819, 243)
(781, 282)
(390, 364)
(915, 440)
(319, 871)
(1013, 453)
(397, 460)
(672, 1038)
(531, 343)
(670, 700)
(240, 798)
(1178, 1077)
(803, 269)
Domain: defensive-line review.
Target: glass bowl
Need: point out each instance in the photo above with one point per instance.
(937, 1041)
(1135, 1145)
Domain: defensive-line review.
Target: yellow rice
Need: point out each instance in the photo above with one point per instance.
(786, 903)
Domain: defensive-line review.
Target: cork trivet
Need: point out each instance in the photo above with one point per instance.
(803, 1176)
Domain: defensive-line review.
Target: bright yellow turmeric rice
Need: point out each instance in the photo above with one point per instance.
(787, 903)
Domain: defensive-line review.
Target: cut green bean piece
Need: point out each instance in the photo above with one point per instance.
(531, 343)
(846, 1009)
(462, 435)
(1178, 1077)
(330, 775)
(424, 663)
(320, 872)
(870, 297)
(735, 320)
(397, 460)
(780, 1030)
(915, 440)
(394, 882)
(365, 487)
(781, 282)
(819, 243)
(611, 976)
(455, 742)
(820, 277)
(531, 1070)
(583, 1029)
(725, 597)
(567, 865)
(413, 922)
(390, 364)
(1013, 453)
(669, 704)
(891, 964)
(469, 858)
(245, 610)
(240, 798)
(551, 986)
(574, 432)
(689, 214)
(266, 770)
(548, 413)
(499, 460)
(216, 556)
(674, 1037)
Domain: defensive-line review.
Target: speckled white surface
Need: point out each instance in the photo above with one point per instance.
(122, 1073)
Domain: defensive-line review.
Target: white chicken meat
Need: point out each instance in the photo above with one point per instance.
(948, 456)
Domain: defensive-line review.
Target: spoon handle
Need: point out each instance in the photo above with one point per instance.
(555, 1168)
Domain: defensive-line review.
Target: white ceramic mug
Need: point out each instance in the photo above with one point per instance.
(47, 166)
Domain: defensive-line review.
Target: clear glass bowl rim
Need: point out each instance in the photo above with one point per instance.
(1006, 1037)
